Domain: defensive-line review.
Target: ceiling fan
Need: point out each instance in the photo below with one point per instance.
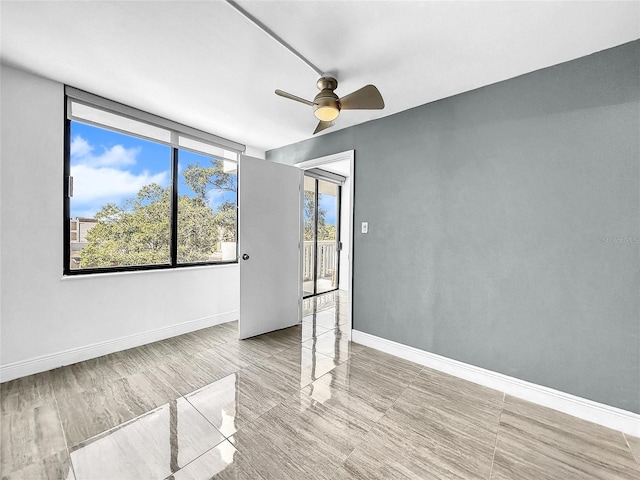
(327, 105)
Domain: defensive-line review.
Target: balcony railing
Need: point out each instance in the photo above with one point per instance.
(327, 259)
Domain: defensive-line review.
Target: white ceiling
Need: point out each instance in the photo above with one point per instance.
(203, 64)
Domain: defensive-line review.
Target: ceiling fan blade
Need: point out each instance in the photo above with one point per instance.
(293, 97)
(323, 125)
(367, 98)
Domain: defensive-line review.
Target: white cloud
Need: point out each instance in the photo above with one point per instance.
(80, 147)
(107, 177)
(103, 185)
(115, 156)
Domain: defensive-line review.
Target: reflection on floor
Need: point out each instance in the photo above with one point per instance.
(323, 285)
(301, 403)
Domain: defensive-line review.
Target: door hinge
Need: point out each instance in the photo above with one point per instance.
(69, 186)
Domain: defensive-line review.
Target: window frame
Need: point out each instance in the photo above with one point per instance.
(177, 130)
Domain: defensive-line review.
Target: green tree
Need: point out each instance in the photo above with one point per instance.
(134, 234)
(203, 179)
(198, 230)
(309, 215)
(326, 231)
(138, 232)
(226, 220)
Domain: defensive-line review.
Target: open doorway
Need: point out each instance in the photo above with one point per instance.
(321, 232)
(327, 256)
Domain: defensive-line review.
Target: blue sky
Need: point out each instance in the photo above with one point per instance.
(328, 203)
(111, 167)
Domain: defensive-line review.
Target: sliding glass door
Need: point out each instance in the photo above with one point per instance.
(321, 224)
(328, 215)
(309, 237)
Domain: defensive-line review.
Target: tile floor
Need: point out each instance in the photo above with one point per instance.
(301, 403)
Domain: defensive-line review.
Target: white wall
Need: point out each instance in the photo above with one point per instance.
(47, 320)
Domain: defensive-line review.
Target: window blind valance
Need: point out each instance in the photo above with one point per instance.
(93, 109)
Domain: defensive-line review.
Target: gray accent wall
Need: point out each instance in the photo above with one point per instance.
(504, 225)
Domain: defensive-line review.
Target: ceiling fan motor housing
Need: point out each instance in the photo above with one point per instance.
(326, 103)
(327, 83)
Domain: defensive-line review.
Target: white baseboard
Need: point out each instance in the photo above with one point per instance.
(611, 417)
(43, 363)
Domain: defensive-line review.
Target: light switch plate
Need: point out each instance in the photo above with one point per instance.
(365, 227)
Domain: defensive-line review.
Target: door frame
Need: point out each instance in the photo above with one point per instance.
(318, 162)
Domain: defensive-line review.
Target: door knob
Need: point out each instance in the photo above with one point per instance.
(245, 256)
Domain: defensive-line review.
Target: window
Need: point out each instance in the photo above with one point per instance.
(143, 192)
(207, 190)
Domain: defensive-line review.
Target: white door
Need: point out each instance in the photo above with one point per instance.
(269, 203)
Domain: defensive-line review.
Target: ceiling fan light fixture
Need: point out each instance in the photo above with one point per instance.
(326, 113)
(326, 107)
